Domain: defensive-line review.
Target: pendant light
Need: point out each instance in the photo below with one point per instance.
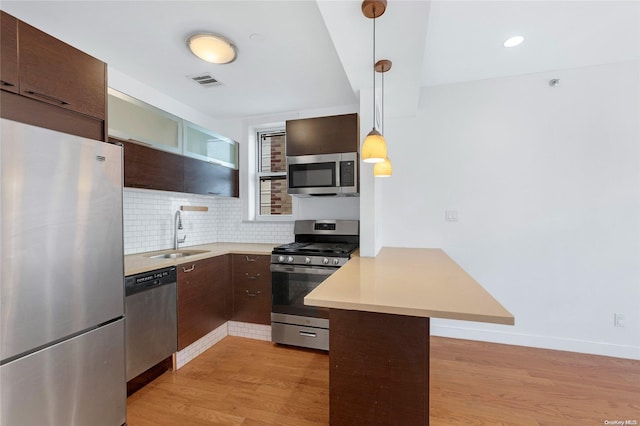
(374, 148)
(383, 169)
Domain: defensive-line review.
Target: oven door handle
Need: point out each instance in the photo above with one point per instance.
(313, 270)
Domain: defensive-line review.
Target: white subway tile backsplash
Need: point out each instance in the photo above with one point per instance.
(149, 217)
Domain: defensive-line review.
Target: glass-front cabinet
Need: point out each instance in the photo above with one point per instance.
(200, 161)
(136, 121)
(206, 145)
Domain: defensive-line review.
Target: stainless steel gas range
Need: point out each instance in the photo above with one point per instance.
(320, 248)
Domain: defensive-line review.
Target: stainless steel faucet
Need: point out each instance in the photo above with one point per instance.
(177, 224)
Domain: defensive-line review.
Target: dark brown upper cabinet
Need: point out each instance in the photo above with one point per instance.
(202, 177)
(149, 168)
(48, 83)
(52, 71)
(323, 135)
(9, 48)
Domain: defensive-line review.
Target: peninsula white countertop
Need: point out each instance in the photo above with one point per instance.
(409, 281)
(141, 262)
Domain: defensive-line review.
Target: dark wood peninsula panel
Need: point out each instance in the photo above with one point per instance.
(379, 368)
(323, 135)
(51, 84)
(251, 278)
(202, 298)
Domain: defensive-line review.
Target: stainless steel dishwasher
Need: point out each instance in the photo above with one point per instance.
(151, 321)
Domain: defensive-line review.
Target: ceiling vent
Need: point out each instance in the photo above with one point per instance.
(205, 80)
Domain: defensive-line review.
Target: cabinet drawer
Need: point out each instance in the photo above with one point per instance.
(251, 263)
(252, 301)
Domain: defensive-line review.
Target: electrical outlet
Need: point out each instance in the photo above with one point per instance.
(451, 215)
(618, 320)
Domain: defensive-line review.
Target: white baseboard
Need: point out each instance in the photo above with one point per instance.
(249, 330)
(530, 340)
(229, 328)
(200, 345)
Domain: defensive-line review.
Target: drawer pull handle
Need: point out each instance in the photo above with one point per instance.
(252, 294)
(252, 277)
(308, 334)
(7, 84)
(249, 259)
(50, 98)
(190, 269)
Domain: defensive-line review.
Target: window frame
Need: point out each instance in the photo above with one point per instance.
(259, 175)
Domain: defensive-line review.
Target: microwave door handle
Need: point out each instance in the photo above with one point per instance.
(337, 172)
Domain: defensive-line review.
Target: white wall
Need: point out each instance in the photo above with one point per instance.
(546, 181)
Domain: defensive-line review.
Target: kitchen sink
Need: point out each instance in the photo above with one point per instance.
(174, 254)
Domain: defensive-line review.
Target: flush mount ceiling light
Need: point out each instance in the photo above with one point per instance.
(513, 41)
(374, 148)
(212, 48)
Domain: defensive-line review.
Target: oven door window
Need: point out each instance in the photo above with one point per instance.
(315, 175)
(290, 288)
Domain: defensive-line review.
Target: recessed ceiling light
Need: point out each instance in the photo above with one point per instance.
(256, 37)
(513, 41)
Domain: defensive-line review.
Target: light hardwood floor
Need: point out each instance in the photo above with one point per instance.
(247, 382)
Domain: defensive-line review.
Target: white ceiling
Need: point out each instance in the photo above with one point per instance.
(317, 54)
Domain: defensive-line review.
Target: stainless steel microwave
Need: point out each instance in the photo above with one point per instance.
(326, 174)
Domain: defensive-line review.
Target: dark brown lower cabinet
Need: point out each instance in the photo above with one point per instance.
(379, 369)
(202, 298)
(251, 288)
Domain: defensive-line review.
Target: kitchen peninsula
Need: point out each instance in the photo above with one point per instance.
(379, 335)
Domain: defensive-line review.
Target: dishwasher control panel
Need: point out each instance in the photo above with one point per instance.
(147, 280)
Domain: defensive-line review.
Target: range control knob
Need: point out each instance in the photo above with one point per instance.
(280, 258)
(307, 260)
(325, 261)
(290, 259)
(336, 261)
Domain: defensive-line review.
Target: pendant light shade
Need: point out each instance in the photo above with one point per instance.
(383, 169)
(374, 148)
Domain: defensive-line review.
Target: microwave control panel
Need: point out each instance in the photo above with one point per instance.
(347, 173)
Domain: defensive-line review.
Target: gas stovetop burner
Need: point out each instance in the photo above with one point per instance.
(334, 249)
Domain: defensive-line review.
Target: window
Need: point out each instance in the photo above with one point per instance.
(273, 199)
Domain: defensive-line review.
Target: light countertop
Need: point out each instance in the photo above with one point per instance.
(140, 262)
(406, 281)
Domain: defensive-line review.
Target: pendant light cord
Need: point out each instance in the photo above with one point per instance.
(382, 101)
(374, 67)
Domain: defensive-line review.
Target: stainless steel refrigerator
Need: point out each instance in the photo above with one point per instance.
(62, 289)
